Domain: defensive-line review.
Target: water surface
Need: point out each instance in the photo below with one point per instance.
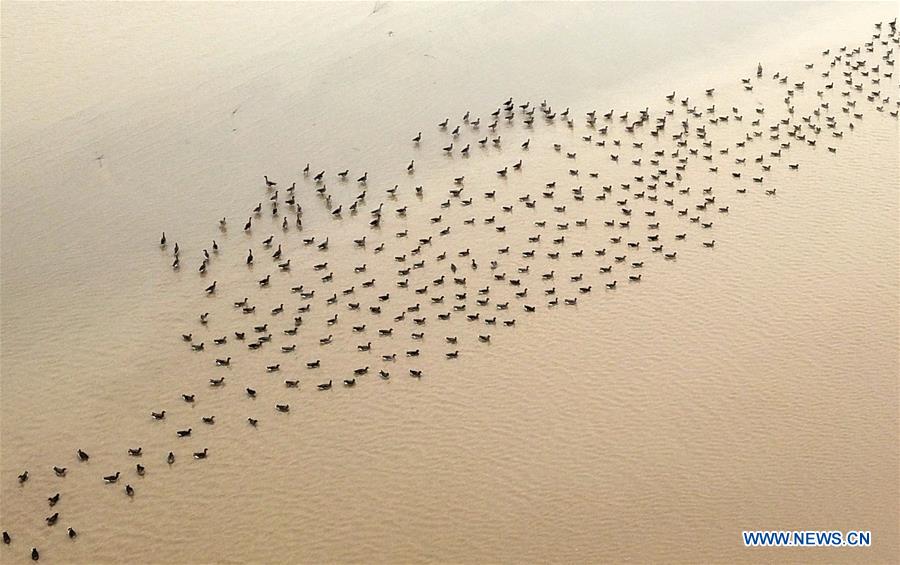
(749, 386)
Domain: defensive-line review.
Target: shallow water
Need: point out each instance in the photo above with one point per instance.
(753, 385)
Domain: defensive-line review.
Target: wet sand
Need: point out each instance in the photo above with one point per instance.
(753, 385)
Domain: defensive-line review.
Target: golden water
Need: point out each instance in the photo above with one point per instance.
(748, 386)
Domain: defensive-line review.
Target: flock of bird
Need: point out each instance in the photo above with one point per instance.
(641, 209)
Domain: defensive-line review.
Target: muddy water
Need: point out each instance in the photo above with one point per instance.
(751, 385)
